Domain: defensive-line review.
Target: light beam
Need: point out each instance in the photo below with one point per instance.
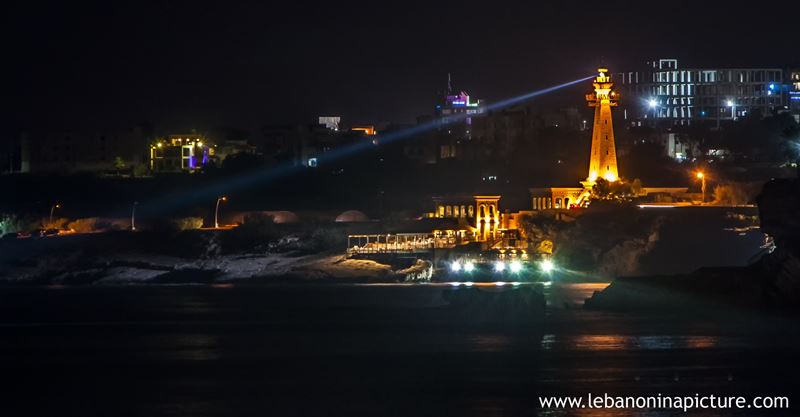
(226, 186)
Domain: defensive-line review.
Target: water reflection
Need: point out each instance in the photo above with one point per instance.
(615, 342)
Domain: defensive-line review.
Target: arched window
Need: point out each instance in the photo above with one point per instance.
(449, 211)
(441, 211)
(456, 212)
(471, 211)
(558, 203)
(463, 211)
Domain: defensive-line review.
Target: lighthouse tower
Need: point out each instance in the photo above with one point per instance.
(603, 159)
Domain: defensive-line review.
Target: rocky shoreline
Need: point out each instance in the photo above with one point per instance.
(770, 284)
(91, 259)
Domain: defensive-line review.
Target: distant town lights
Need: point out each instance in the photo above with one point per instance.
(652, 103)
(499, 266)
(455, 266)
(515, 266)
(469, 267)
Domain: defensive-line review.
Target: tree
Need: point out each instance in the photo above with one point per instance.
(119, 164)
(619, 190)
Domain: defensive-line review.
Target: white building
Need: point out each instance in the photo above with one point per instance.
(664, 92)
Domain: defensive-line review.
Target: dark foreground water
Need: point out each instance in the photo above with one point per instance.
(361, 350)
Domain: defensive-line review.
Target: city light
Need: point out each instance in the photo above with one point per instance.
(516, 266)
(455, 266)
(700, 175)
(499, 266)
(730, 103)
(547, 266)
(652, 103)
(216, 211)
(469, 267)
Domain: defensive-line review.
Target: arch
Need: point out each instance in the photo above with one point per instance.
(566, 202)
(448, 211)
(463, 211)
(440, 211)
(558, 202)
(471, 210)
(456, 212)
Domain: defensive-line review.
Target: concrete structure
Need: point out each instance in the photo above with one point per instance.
(187, 152)
(71, 152)
(603, 156)
(666, 93)
(330, 122)
(793, 76)
(602, 159)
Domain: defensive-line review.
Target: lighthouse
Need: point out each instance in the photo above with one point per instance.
(603, 157)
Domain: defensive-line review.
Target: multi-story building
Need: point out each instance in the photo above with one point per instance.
(455, 116)
(664, 92)
(70, 152)
(793, 78)
(180, 153)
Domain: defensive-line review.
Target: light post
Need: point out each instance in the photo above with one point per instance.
(702, 178)
(216, 211)
(732, 105)
(53, 209)
(133, 216)
(653, 105)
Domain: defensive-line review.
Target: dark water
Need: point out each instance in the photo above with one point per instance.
(360, 350)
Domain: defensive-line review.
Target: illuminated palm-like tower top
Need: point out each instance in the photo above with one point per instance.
(603, 159)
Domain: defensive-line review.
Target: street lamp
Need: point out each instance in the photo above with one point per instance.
(52, 209)
(653, 104)
(702, 178)
(133, 216)
(216, 211)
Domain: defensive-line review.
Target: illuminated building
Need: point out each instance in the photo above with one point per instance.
(664, 92)
(302, 144)
(180, 153)
(367, 130)
(793, 76)
(455, 113)
(603, 156)
(330, 122)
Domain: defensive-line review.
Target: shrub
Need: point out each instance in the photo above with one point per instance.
(730, 194)
(257, 229)
(97, 224)
(11, 223)
(177, 224)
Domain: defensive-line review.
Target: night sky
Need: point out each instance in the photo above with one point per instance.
(182, 65)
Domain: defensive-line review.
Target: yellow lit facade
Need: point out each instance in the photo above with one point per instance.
(603, 157)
